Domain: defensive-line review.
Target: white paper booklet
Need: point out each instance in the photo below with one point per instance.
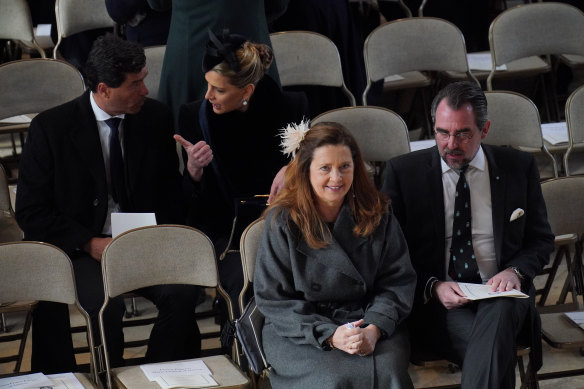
(480, 291)
(65, 381)
(191, 381)
(577, 317)
(122, 222)
(555, 133)
(176, 369)
(36, 380)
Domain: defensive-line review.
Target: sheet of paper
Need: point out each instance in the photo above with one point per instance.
(37, 380)
(175, 369)
(395, 77)
(16, 120)
(555, 133)
(42, 33)
(482, 61)
(191, 381)
(65, 381)
(577, 317)
(122, 222)
(480, 291)
(422, 144)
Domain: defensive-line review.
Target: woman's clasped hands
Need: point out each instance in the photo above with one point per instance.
(353, 339)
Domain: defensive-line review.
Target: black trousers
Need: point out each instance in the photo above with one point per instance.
(175, 334)
(480, 337)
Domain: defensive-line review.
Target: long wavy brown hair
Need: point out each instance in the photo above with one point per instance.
(366, 202)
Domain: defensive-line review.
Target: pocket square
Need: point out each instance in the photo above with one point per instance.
(517, 214)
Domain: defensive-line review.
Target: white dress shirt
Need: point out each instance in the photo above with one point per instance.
(483, 241)
(104, 134)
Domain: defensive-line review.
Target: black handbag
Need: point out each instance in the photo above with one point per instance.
(248, 329)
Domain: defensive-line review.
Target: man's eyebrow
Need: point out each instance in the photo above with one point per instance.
(463, 130)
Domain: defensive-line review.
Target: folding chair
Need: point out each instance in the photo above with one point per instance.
(16, 24)
(31, 86)
(308, 58)
(75, 16)
(575, 121)
(565, 207)
(388, 53)
(380, 133)
(529, 31)
(249, 245)
(157, 255)
(38, 271)
(515, 122)
(154, 60)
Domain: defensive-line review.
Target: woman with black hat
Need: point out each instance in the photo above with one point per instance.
(230, 142)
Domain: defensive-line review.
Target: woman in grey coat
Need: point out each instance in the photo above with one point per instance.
(333, 276)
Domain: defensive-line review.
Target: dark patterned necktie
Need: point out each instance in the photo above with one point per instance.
(118, 184)
(463, 264)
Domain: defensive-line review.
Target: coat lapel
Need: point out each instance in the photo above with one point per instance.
(335, 255)
(498, 184)
(434, 177)
(85, 137)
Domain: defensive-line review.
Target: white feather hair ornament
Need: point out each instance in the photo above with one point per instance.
(292, 135)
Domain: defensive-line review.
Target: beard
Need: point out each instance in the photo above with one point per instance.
(454, 164)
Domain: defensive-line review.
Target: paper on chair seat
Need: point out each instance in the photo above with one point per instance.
(480, 291)
(177, 369)
(25, 381)
(191, 381)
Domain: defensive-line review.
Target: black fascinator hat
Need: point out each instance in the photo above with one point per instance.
(222, 48)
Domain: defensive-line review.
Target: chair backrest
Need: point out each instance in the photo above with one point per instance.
(48, 83)
(380, 133)
(515, 122)
(575, 123)
(157, 255)
(16, 23)
(535, 29)
(40, 271)
(388, 49)
(249, 245)
(9, 229)
(308, 58)
(36, 271)
(154, 60)
(75, 16)
(565, 204)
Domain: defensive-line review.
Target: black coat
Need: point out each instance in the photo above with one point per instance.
(62, 195)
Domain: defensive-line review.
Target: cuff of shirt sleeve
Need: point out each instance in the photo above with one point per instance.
(428, 289)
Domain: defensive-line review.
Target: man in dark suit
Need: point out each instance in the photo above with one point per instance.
(511, 239)
(75, 172)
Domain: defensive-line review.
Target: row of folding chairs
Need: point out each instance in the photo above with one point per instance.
(147, 256)
(72, 16)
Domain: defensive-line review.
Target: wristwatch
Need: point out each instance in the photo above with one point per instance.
(517, 272)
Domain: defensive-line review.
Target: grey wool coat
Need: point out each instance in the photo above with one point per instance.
(306, 293)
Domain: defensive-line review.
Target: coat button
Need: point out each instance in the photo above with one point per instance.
(95, 202)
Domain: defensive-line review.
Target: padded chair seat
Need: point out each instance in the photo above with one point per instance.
(225, 373)
(572, 60)
(523, 67)
(559, 332)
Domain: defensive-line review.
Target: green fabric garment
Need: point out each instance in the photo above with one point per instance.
(182, 77)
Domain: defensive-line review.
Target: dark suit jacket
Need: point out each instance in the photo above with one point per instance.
(62, 190)
(414, 183)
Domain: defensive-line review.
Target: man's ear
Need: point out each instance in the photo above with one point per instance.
(103, 90)
(485, 129)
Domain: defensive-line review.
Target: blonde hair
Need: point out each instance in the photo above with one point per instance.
(366, 202)
(254, 60)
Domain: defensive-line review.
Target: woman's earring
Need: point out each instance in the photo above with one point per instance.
(244, 102)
